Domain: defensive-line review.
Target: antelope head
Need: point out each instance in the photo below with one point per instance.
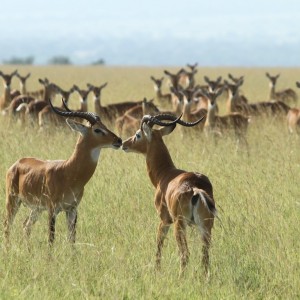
(96, 133)
(7, 78)
(147, 135)
(272, 79)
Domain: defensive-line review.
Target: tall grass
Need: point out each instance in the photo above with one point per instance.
(256, 245)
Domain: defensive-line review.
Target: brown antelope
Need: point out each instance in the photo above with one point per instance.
(183, 198)
(237, 81)
(7, 97)
(47, 116)
(129, 122)
(112, 111)
(57, 185)
(23, 80)
(83, 96)
(238, 103)
(287, 95)
(212, 85)
(174, 78)
(192, 67)
(293, 118)
(187, 79)
(188, 97)
(161, 98)
(38, 94)
(235, 99)
(34, 107)
(220, 125)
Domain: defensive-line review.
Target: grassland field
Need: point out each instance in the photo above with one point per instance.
(255, 251)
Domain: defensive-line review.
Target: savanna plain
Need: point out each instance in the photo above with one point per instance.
(255, 252)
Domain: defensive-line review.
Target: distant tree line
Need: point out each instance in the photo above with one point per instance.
(55, 60)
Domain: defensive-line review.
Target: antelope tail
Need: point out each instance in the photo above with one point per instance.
(201, 195)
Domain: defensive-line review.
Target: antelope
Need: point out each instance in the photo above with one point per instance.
(83, 95)
(187, 98)
(174, 78)
(48, 116)
(286, 95)
(38, 94)
(237, 81)
(34, 107)
(162, 98)
(235, 101)
(112, 111)
(23, 80)
(7, 96)
(130, 121)
(192, 67)
(293, 118)
(187, 79)
(183, 198)
(211, 86)
(57, 185)
(218, 125)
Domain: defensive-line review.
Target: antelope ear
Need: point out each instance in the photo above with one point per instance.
(167, 129)
(76, 126)
(147, 131)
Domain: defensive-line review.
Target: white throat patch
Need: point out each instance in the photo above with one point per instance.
(95, 153)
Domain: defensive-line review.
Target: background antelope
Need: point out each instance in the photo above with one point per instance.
(7, 96)
(57, 185)
(220, 125)
(293, 118)
(47, 115)
(183, 198)
(160, 97)
(130, 121)
(286, 95)
(109, 112)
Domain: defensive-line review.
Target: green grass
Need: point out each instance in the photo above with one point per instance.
(256, 247)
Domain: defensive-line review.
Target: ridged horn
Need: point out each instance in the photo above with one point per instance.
(90, 117)
(181, 122)
(157, 120)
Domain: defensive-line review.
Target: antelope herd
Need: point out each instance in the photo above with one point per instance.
(181, 198)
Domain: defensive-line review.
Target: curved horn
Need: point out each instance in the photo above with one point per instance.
(181, 122)
(157, 120)
(191, 124)
(90, 117)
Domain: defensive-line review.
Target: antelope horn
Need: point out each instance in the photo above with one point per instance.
(158, 120)
(90, 117)
(190, 124)
(181, 122)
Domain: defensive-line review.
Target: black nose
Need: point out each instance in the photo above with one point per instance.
(119, 141)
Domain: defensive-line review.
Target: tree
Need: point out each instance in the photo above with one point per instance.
(59, 60)
(99, 62)
(19, 61)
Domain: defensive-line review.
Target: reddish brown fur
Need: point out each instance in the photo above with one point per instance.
(161, 98)
(47, 116)
(129, 122)
(6, 98)
(112, 111)
(175, 189)
(286, 95)
(55, 186)
(293, 120)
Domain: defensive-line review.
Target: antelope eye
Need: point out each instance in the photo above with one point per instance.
(97, 130)
(138, 136)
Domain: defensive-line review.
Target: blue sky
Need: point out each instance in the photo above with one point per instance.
(26, 22)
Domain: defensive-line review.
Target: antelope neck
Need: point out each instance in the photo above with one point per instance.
(159, 162)
(83, 162)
